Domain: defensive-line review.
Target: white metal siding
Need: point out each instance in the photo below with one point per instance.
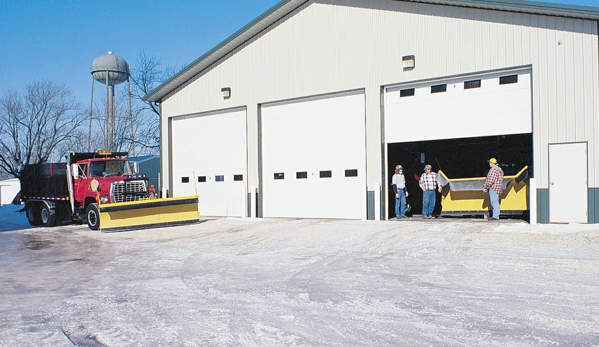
(335, 45)
(211, 145)
(314, 135)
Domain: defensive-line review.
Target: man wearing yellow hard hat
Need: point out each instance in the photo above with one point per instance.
(494, 185)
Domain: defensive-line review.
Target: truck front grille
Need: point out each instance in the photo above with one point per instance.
(129, 191)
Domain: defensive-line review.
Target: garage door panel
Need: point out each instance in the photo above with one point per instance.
(210, 149)
(492, 109)
(218, 199)
(316, 156)
(313, 135)
(314, 197)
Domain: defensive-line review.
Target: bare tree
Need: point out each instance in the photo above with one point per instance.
(147, 74)
(126, 128)
(35, 124)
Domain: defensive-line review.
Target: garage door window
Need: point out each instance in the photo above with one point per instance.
(184, 179)
(508, 79)
(201, 178)
(279, 176)
(301, 174)
(219, 178)
(472, 84)
(440, 88)
(351, 173)
(326, 174)
(237, 177)
(407, 92)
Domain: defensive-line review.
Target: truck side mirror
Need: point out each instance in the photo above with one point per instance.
(135, 167)
(75, 170)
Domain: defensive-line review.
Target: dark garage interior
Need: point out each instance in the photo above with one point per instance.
(457, 158)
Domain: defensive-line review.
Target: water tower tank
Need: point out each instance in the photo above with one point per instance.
(111, 66)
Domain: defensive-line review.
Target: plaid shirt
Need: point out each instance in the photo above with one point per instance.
(429, 181)
(494, 180)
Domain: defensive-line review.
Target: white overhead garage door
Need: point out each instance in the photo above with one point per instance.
(209, 151)
(313, 157)
(491, 104)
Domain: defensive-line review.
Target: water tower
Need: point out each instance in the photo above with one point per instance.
(109, 69)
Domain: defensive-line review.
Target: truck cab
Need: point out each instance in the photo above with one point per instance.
(108, 180)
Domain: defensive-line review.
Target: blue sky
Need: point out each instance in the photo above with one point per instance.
(59, 39)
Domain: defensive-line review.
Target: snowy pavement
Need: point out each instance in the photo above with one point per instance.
(273, 282)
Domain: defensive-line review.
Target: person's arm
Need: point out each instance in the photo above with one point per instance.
(489, 180)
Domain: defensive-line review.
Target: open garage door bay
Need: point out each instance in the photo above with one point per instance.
(210, 153)
(313, 157)
(457, 124)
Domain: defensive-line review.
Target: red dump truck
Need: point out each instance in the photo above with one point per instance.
(101, 189)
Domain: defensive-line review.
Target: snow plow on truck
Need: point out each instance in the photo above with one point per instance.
(102, 190)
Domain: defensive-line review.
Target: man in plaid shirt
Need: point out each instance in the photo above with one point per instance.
(428, 183)
(494, 185)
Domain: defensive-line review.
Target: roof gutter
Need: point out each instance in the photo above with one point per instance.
(532, 7)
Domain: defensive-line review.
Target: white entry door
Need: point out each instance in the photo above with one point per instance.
(568, 188)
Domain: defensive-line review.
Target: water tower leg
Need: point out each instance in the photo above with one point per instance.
(91, 113)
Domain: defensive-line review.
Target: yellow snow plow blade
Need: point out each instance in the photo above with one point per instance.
(465, 196)
(151, 213)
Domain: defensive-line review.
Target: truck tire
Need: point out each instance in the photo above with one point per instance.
(47, 216)
(92, 214)
(33, 216)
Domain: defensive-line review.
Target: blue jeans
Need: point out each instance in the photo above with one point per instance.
(400, 203)
(428, 202)
(494, 200)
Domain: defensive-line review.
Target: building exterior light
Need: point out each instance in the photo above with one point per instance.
(408, 62)
(226, 92)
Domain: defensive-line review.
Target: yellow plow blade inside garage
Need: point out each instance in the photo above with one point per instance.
(123, 216)
(465, 196)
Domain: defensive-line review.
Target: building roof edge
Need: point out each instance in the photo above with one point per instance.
(285, 7)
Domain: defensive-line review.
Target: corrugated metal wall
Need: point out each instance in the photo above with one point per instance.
(337, 45)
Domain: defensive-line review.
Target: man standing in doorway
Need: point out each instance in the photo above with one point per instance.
(494, 185)
(428, 183)
(399, 188)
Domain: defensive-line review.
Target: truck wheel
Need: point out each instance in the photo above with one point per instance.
(33, 215)
(47, 216)
(93, 216)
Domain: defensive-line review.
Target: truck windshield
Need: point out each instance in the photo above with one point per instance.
(109, 168)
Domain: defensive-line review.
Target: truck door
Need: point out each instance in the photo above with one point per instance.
(81, 184)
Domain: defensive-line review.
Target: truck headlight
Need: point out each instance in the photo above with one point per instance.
(104, 199)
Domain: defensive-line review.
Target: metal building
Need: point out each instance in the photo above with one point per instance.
(149, 165)
(9, 189)
(304, 111)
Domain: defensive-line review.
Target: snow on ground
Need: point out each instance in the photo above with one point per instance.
(12, 219)
(275, 282)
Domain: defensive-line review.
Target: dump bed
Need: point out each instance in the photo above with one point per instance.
(47, 180)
